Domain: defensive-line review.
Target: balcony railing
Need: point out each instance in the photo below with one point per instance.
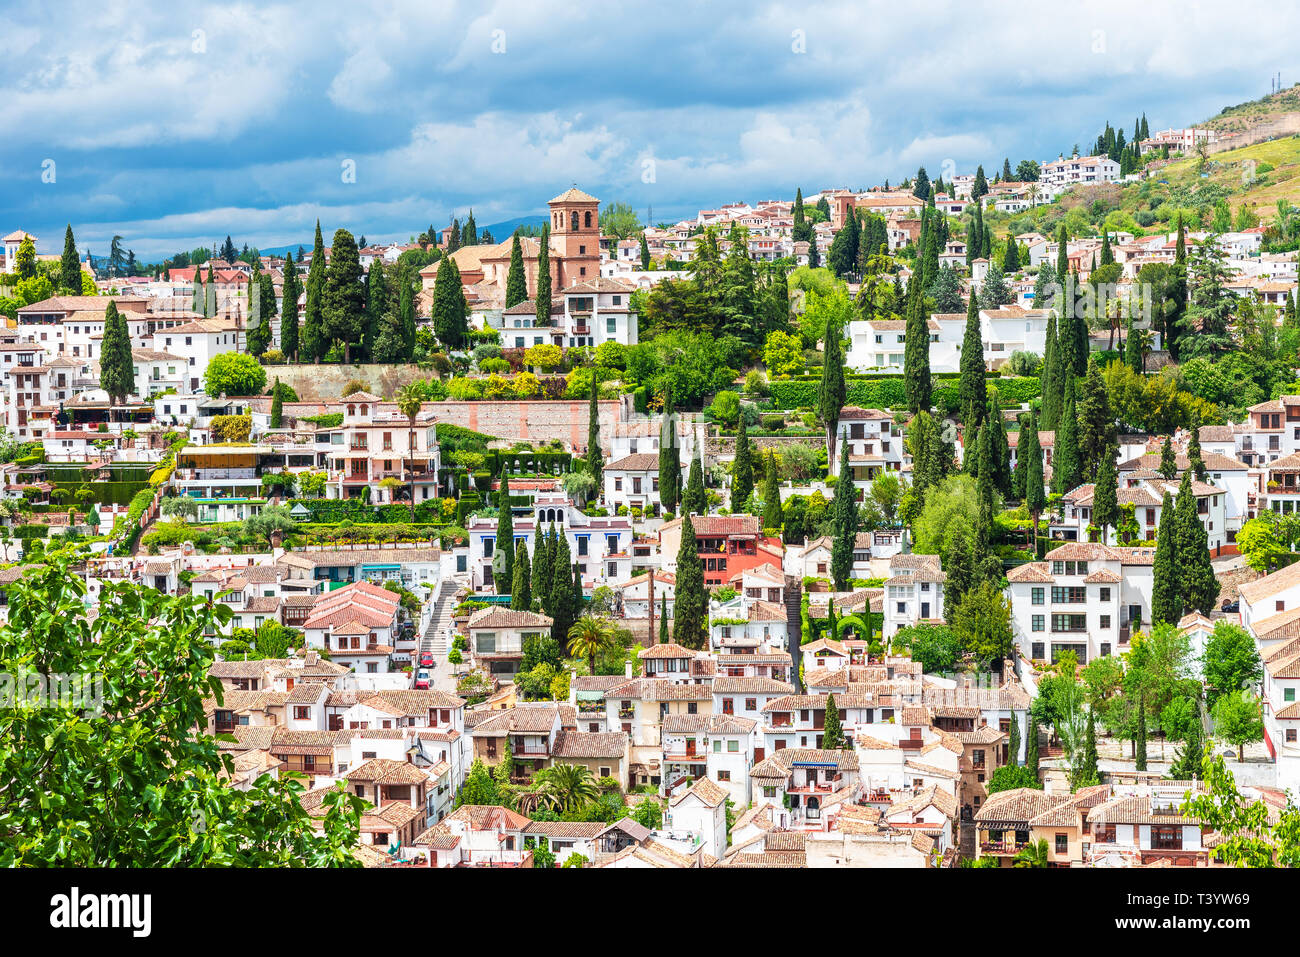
(1003, 847)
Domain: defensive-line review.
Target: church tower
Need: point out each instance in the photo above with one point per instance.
(575, 237)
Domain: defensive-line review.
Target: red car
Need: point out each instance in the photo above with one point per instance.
(422, 681)
(426, 660)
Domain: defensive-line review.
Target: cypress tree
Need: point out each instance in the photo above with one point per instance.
(690, 603)
(1107, 256)
(196, 304)
(505, 530)
(450, 313)
(1031, 744)
(516, 280)
(999, 448)
(1013, 741)
(832, 392)
(670, 464)
(563, 610)
(210, 294)
(406, 315)
(1035, 493)
(1105, 506)
(314, 343)
(1085, 773)
(595, 457)
(1166, 603)
(1022, 464)
(832, 731)
(289, 312)
(521, 589)
(541, 570)
(771, 493)
(1098, 435)
(1140, 741)
(844, 519)
(1011, 256)
(1050, 408)
(694, 500)
(1197, 584)
(343, 298)
(742, 471)
(645, 253)
(69, 265)
(1067, 470)
(1195, 464)
(544, 278)
(116, 367)
(972, 391)
(916, 350)
(377, 301)
(277, 406)
(1168, 461)
(663, 618)
(1133, 348)
(1188, 758)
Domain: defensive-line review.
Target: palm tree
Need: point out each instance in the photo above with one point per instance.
(566, 786)
(588, 637)
(1034, 855)
(409, 400)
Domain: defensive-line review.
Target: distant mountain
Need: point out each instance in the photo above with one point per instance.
(499, 231)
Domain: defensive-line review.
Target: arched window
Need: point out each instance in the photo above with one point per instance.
(352, 410)
(575, 220)
(363, 409)
(587, 219)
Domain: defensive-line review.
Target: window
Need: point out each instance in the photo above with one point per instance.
(1036, 623)
(724, 775)
(301, 712)
(1036, 596)
(717, 745)
(733, 746)
(1288, 694)
(1062, 844)
(1105, 621)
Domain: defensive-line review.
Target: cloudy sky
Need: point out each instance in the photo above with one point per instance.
(174, 124)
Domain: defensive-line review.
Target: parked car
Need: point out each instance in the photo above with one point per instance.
(1232, 606)
(421, 680)
(426, 660)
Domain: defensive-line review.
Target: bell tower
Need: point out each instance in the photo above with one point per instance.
(575, 237)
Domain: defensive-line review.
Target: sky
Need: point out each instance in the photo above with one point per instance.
(176, 124)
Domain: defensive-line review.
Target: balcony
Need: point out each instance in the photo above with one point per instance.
(215, 475)
(1002, 847)
(685, 757)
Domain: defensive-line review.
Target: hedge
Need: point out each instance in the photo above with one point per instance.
(891, 393)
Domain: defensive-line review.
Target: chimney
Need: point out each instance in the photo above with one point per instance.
(573, 691)
(627, 669)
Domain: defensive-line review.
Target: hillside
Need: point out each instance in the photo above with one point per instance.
(1275, 175)
(1247, 116)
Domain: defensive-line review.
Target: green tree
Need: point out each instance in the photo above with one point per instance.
(589, 637)
(544, 277)
(70, 265)
(1237, 719)
(1197, 585)
(983, 623)
(1035, 491)
(595, 457)
(450, 313)
(233, 373)
(505, 540)
(516, 279)
(480, 787)
(972, 392)
(670, 464)
(772, 510)
(567, 787)
(289, 310)
(343, 298)
(1067, 469)
(832, 733)
(916, 351)
(521, 591)
(1168, 462)
(116, 365)
(694, 501)
(315, 342)
(1105, 503)
(690, 603)
(143, 730)
(844, 517)
(1166, 600)
(832, 393)
(742, 471)
(1230, 661)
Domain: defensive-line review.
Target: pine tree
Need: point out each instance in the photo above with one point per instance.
(832, 730)
(844, 521)
(70, 266)
(694, 500)
(690, 603)
(343, 298)
(1166, 602)
(544, 277)
(314, 342)
(1067, 469)
(742, 471)
(972, 391)
(916, 351)
(521, 590)
(921, 186)
(516, 280)
(1105, 505)
(289, 312)
(505, 542)
(1197, 584)
(771, 493)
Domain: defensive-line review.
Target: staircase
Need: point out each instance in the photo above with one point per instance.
(434, 640)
